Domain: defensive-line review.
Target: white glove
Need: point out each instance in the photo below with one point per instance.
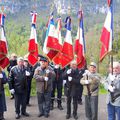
(87, 72)
(12, 91)
(112, 77)
(69, 78)
(64, 82)
(47, 71)
(1, 75)
(46, 79)
(111, 88)
(87, 82)
(27, 73)
(56, 66)
(69, 71)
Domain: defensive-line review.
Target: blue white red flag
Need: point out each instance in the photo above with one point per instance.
(67, 50)
(80, 42)
(57, 58)
(4, 61)
(51, 45)
(107, 34)
(34, 17)
(33, 46)
(2, 18)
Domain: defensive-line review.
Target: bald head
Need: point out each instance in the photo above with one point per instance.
(116, 68)
(73, 64)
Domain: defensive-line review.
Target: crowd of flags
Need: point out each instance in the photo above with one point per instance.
(59, 52)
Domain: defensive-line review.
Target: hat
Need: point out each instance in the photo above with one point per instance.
(39, 55)
(25, 59)
(93, 64)
(20, 59)
(43, 59)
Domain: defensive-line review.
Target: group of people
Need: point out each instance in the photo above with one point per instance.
(50, 77)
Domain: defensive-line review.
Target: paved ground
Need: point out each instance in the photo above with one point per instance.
(55, 114)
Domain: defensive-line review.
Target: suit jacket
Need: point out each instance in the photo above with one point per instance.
(41, 85)
(71, 87)
(17, 79)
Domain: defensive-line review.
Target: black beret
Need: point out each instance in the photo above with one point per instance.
(43, 59)
(39, 55)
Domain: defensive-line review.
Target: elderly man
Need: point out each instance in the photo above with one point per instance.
(44, 76)
(112, 84)
(90, 82)
(18, 86)
(72, 78)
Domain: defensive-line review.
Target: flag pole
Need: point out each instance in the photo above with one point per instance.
(112, 36)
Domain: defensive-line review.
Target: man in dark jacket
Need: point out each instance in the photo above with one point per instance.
(18, 86)
(29, 77)
(3, 80)
(57, 84)
(71, 88)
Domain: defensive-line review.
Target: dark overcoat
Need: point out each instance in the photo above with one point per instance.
(71, 88)
(2, 93)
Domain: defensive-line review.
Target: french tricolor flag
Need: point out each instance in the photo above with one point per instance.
(67, 50)
(33, 46)
(57, 58)
(107, 34)
(2, 17)
(4, 61)
(51, 46)
(52, 40)
(80, 42)
(34, 17)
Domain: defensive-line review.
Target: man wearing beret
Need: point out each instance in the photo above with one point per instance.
(90, 82)
(44, 75)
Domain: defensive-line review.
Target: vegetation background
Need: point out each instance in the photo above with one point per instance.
(18, 24)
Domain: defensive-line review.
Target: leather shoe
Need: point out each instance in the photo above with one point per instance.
(2, 119)
(17, 116)
(28, 105)
(46, 115)
(25, 114)
(51, 107)
(67, 116)
(80, 102)
(60, 107)
(75, 117)
(40, 115)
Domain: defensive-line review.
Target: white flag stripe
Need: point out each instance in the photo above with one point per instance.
(68, 37)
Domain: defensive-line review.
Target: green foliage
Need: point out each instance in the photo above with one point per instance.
(102, 90)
